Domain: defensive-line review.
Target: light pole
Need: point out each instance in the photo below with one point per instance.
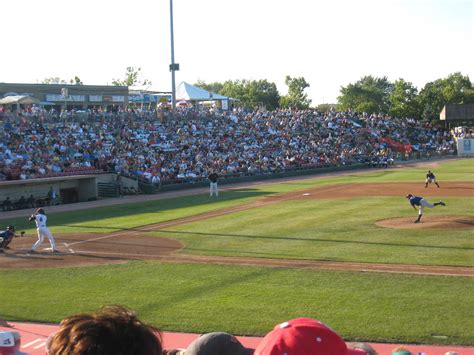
(173, 66)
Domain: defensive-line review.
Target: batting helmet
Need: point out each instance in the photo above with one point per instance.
(409, 195)
(11, 228)
(40, 211)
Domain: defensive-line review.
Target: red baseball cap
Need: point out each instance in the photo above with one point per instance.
(304, 336)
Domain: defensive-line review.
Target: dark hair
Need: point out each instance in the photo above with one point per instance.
(110, 330)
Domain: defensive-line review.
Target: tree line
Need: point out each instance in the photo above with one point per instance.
(369, 94)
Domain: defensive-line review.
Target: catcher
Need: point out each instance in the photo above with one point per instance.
(6, 237)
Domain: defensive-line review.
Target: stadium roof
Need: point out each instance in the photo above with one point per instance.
(457, 112)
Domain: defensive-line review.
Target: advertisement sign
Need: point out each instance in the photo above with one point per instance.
(147, 98)
(225, 105)
(466, 147)
(61, 98)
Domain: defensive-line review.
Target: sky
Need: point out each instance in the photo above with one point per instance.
(330, 43)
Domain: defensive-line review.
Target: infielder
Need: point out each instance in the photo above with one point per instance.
(421, 203)
(6, 237)
(213, 185)
(40, 219)
(430, 177)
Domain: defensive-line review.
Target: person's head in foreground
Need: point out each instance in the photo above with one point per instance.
(304, 336)
(363, 346)
(10, 343)
(217, 343)
(110, 330)
(401, 350)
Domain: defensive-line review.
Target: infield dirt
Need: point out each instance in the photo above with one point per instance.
(135, 244)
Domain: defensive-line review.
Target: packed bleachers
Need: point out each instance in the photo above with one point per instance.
(163, 148)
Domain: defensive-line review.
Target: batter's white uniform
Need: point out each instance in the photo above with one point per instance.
(40, 220)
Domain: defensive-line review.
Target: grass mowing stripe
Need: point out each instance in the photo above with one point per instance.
(323, 230)
(250, 300)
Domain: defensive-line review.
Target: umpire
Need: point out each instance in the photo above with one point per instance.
(213, 177)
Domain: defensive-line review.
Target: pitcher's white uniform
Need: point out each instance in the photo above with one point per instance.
(40, 220)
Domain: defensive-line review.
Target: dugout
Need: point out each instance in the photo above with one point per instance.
(69, 189)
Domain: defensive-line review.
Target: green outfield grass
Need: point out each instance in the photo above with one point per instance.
(325, 230)
(250, 300)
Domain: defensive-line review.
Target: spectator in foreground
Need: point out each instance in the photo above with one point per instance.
(363, 346)
(110, 330)
(401, 350)
(304, 336)
(217, 343)
(10, 343)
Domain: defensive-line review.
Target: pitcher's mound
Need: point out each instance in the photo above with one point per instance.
(429, 222)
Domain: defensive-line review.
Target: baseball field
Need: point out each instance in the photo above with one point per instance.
(339, 248)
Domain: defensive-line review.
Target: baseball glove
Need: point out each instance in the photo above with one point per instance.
(22, 233)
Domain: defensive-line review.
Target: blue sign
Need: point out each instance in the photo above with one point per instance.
(467, 145)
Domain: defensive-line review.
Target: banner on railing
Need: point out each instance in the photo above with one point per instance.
(466, 147)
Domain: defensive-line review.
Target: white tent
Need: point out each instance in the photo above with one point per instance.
(188, 92)
(19, 99)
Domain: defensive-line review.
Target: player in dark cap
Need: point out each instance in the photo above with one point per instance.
(7, 236)
(430, 177)
(420, 203)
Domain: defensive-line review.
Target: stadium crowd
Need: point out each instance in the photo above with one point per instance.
(463, 132)
(163, 147)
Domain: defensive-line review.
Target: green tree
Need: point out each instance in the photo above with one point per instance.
(249, 93)
(133, 77)
(369, 94)
(262, 93)
(296, 97)
(212, 87)
(325, 107)
(404, 100)
(53, 80)
(453, 89)
(57, 80)
(76, 81)
(468, 96)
